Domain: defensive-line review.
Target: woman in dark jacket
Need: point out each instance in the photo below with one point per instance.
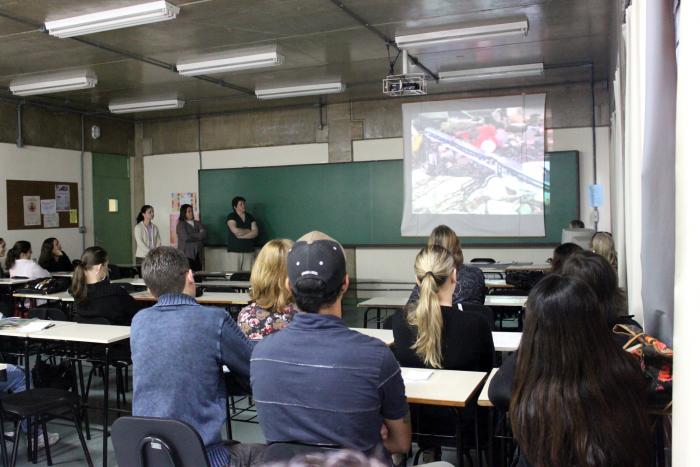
(53, 258)
(190, 237)
(95, 296)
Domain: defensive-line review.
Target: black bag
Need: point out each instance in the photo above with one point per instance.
(523, 279)
(47, 375)
(46, 285)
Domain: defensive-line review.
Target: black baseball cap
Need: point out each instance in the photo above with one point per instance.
(316, 256)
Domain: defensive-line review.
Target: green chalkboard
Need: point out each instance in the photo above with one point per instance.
(358, 203)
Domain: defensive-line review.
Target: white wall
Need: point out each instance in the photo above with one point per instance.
(44, 164)
(165, 174)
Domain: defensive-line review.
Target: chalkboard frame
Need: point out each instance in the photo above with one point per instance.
(552, 237)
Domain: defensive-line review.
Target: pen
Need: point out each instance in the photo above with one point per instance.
(49, 326)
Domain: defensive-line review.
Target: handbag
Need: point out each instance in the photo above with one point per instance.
(655, 358)
(46, 285)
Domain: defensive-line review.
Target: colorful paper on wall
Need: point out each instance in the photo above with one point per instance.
(32, 210)
(48, 206)
(178, 199)
(73, 216)
(174, 218)
(63, 198)
(51, 220)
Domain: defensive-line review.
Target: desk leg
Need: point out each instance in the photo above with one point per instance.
(105, 408)
(476, 437)
(459, 443)
(27, 371)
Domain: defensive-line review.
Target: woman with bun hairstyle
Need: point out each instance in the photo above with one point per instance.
(145, 233)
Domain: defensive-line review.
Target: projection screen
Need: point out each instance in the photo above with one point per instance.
(476, 165)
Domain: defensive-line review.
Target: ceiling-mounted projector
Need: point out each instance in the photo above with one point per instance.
(405, 85)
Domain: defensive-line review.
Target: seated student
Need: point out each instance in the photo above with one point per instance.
(562, 253)
(53, 258)
(577, 224)
(597, 272)
(433, 334)
(471, 286)
(603, 244)
(19, 262)
(272, 306)
(2, 254)
(575, 398)
(316, 381)
(178, 348)
(95, 296)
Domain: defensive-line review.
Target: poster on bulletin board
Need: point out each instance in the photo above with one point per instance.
(33, 204)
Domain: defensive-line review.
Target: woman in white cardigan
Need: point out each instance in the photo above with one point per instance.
(145, 233)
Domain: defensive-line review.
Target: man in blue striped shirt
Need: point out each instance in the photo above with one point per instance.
(317, 382)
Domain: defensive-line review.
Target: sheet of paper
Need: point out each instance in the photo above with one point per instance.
(416, 374)
(48, 206)
(32, 210)
(51, 221)
(73, 216)
(62, 197)
(36, 326)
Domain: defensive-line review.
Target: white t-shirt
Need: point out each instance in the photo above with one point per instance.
(28, 268)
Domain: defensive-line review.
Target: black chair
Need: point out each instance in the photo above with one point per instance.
(38, 406)
(53, 314)
(483, 260)
(240, 276)
(147, 441)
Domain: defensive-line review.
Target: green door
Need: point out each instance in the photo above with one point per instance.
(111, 198)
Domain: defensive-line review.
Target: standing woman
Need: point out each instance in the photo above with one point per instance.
(190, 237)
(19, 262)
(145, 233)
(574, 397)
(53, 258)
(95, 296)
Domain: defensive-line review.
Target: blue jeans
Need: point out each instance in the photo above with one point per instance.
(15, 382)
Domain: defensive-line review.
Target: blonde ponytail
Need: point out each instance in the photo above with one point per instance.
(433, 267)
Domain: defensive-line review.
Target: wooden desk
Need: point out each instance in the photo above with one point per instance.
(208, 298)
(13, 281)
(60, 296)
(498, 284)
(484, 400)
(505, 300)
(105, 335)
(446, 388)
(135, 281)
(377, 304)
(62, 274)
(502, 341)
(544, 267)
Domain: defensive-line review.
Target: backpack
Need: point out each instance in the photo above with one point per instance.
(48, 375)
(655, 358)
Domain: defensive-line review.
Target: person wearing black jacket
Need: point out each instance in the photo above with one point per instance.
(53, 258)
(433, 334)
(95, 296)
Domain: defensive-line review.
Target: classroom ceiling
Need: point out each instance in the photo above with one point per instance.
(317, 37)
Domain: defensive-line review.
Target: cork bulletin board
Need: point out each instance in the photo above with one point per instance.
(41, 205)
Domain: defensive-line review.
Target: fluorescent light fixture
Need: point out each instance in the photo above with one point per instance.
(496, 72)
(231, 60)
(53, 82)
(462, 34)
(300, 90)
(117, 18)
(125, 107)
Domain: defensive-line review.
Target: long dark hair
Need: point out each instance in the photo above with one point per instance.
(599, 274)
(21, 246)
(46, 254)
(91, 257)
(183, 211)
(578, 398)
(144, 208)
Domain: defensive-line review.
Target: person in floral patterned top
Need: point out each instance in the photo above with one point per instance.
(272, 306)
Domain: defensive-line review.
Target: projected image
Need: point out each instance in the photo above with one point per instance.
(478, 161)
